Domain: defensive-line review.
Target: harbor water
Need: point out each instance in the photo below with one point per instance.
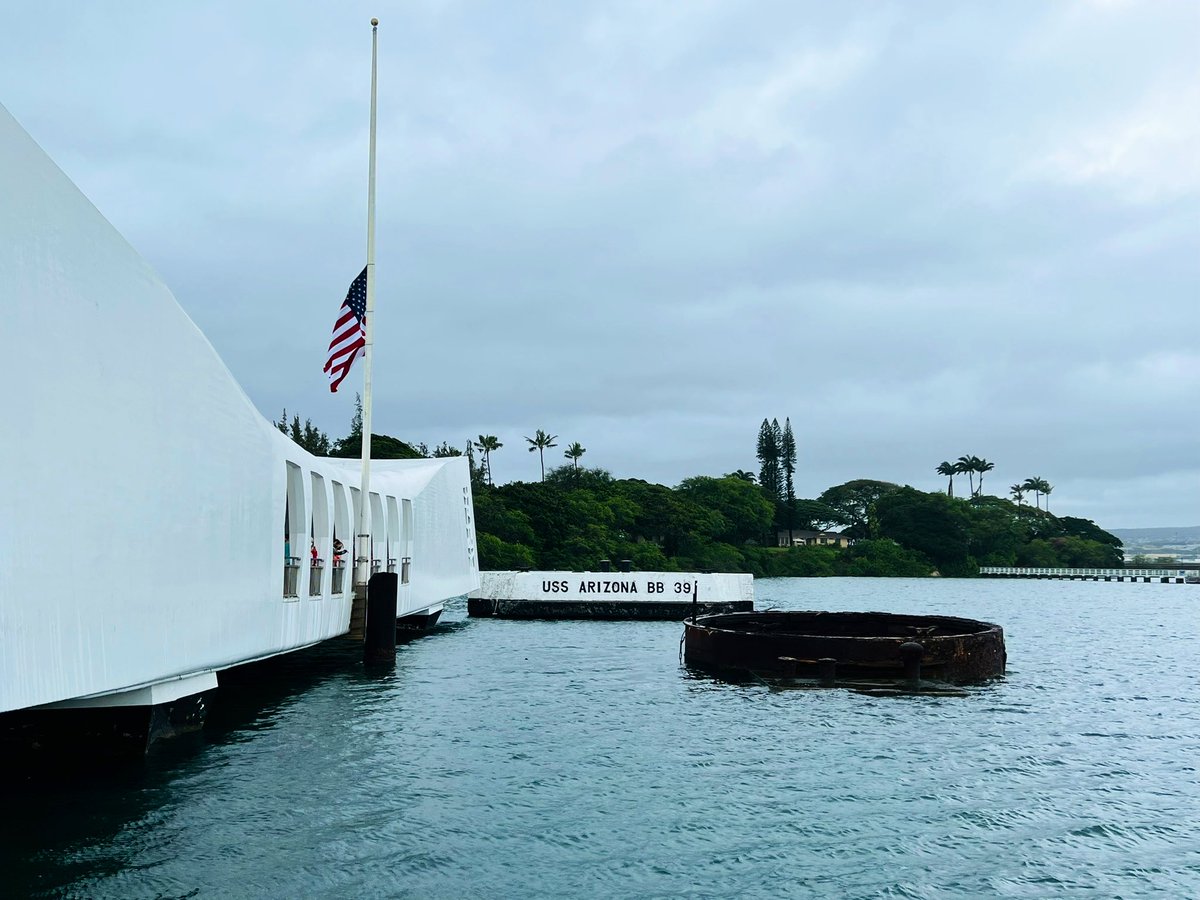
(581, 759)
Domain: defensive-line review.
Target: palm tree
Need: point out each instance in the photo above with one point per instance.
(966, 464)
(486, 444)
(981, 466)
(573, 453)
(1018, 492)
(541, 442)
(948, 468)
(1047, 487)
(741, 475)
(1035, 485)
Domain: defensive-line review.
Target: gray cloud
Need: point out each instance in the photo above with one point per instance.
(918, 233)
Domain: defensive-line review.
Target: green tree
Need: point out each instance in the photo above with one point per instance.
(1037, 553)
(854, 500)
(316, 441)
(495, 514)
(1080, 552)
(981, 466)
(950, 469)
(1017, 491)
(787, 460)
(498, 555)
(486, 444)
(383, 446)
(931, 524)
(307, 435)
(478, 481)
(996, 532)
(597, 480)
(966, 466)
(742, 474)
(768, 458)
(745, 513)
(667, 517)
(794, 562)
(1038, 485)
(1089, 530)
(574, 452)
(713, 556)
(813, 515)
(882, 558)
(541, 442)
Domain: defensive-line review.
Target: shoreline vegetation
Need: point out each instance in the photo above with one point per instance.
(577, 516)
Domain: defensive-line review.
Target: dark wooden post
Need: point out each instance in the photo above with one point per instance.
(380, 643)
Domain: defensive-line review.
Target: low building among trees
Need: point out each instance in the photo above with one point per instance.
(811, 539)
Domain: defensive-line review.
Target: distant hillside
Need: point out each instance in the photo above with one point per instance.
(1183, 541)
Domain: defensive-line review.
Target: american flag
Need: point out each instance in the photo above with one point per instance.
(349, 332)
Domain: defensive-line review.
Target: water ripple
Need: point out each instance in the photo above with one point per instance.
(528, 759)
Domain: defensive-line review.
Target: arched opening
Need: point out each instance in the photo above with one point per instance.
(295, 530)
(342, 539)
(319, 537)
(358, 547)
(378, 534)
(406, 533)
(393, 533)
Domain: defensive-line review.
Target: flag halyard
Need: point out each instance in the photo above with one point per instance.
(349, 332)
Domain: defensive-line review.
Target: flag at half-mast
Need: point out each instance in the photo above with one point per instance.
(349, 332)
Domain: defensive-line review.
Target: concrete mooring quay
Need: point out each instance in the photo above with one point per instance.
(1179, 573)
(609, 595)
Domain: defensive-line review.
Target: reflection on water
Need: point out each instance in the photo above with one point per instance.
(549, 759)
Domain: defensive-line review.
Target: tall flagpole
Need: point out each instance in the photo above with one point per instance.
(364, 512)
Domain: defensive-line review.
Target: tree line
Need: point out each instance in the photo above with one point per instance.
(973, 465)
(574, 516)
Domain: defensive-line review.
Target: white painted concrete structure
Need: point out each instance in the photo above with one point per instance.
(582, 587)
(1163, 574)
(143, 498)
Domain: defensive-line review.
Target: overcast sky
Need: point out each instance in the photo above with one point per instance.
(917, 230)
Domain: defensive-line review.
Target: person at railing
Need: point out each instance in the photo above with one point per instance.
(312, 550)
(339, 552)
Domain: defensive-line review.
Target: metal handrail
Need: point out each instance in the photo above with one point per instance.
(291, 576)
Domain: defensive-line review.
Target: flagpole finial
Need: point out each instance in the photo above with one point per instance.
(374, 23)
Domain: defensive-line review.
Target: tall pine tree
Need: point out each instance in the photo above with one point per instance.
(787, 457)
(777, 438)
(768, 458)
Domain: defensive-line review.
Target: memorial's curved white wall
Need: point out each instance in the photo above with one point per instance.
(142, 496)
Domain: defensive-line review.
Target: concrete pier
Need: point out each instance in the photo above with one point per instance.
(609, 595)
(1180, 573)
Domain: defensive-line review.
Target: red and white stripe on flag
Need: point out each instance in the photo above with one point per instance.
(349, 332)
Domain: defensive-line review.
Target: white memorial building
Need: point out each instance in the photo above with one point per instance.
(155, 529)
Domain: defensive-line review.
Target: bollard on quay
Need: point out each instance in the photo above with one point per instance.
(827, 671)
(911, 653)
